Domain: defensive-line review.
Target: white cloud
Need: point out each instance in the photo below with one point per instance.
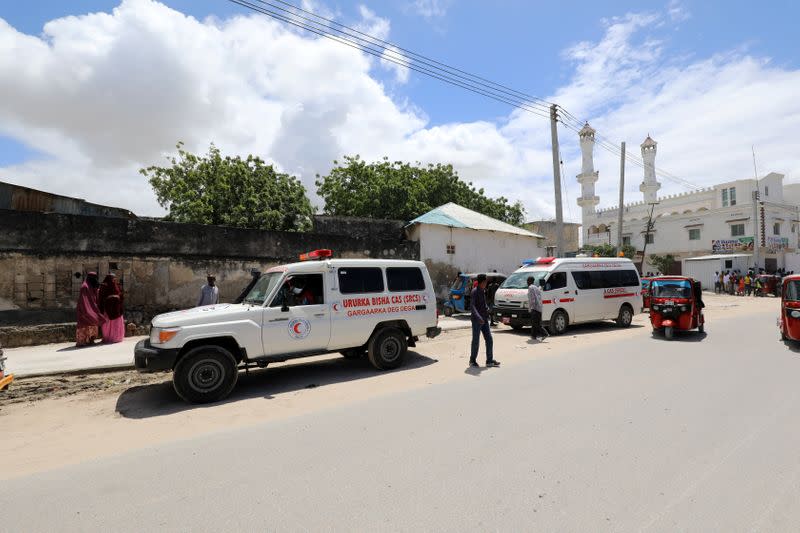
(430, 8)
(104, 94)
(677, 12)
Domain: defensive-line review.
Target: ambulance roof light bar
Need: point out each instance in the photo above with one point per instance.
(316, 255)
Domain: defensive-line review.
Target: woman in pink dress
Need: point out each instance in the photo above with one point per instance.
(110, 303)
(89, 315)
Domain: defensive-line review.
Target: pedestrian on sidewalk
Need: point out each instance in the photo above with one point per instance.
(717, 283)
(480, 324)
(535, 307)
(110, 304)
(209, 293)
(89, 316)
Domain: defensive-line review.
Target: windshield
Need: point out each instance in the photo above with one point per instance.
(676, 288)
(262, 288)
(519, 280)
(793, 291)
(458, 283)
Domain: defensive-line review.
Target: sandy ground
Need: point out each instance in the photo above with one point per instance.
(104, 415)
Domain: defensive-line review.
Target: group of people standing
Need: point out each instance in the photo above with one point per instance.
(735, 283)
(100, 311)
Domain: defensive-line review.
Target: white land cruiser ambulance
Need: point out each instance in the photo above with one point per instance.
(357, 307)
(576, 290)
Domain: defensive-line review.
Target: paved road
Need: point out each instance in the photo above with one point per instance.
(692, 435)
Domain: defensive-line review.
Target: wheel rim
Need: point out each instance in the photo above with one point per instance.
(626, 317)
(206, 375)
(561, 322)
(390, 349)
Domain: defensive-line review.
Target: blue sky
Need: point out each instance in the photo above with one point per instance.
(523, 44)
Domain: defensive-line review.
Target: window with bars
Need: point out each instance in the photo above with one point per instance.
(451, 249)
(694, 234)
(737, 230)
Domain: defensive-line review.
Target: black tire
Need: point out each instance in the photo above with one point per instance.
(701, 328)
(353, 353)
(387, 348)
(558, 322)
(447, 310)
(625, 317)
(668, 333)
(205, 374)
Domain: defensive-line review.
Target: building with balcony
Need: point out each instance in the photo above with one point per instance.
(718, 219)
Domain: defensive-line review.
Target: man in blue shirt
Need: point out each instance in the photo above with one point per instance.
(480, 324)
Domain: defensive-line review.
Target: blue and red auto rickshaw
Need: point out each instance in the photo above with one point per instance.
(460, 290)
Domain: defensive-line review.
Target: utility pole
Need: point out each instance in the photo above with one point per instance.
(621, 198)
(557, 180)
(756, 197)
(647, 231)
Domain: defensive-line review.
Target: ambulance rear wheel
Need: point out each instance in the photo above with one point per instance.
(387, 348)
(625, 316)
(558, 322)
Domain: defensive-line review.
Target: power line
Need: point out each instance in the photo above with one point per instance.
(402, 57)
(388, 53)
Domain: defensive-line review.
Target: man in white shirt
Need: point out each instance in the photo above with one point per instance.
(209, 294)
(726, 281)
(535, 307)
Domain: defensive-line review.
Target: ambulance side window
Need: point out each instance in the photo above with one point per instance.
(405, 279)
(360, 280)
(303, 289)
(557, 280)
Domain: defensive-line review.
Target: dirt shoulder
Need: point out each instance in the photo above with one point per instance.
(90, 416)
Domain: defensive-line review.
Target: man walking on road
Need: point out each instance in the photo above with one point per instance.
(535, 307)
(480, 324)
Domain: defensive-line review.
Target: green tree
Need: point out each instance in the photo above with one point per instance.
(663, 262)
(402, 191)
(609, 250)
(230, 191)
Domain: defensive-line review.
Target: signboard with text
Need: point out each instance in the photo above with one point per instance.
(729, 246)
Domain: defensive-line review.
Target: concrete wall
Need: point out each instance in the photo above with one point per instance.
(161, 265)
(547, 228)
(475, 251)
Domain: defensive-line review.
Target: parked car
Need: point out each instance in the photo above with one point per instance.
(460, 290)
(357, 307)
(576, 290)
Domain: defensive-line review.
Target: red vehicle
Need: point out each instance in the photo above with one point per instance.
(646, 293)
(790, 308)
(676, 304)
(769, 285)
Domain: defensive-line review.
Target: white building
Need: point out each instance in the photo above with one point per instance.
(455, 239)
(714, 220)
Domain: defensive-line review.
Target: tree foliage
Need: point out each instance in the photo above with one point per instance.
(402, 191)
(609, 250)
(662, 262)
(230, 191)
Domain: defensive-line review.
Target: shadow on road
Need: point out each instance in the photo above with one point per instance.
(681, 336)
(147, 401)
(592, 328)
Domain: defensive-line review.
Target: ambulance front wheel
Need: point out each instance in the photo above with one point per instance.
(205, 374)
(387, 348)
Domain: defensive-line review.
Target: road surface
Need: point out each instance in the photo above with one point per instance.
(633, 433)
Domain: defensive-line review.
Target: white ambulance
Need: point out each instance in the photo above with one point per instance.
(576, 290)
(358, 307)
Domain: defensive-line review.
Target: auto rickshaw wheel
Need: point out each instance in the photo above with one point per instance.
(668, 333)
(701, 328)
(447, 310)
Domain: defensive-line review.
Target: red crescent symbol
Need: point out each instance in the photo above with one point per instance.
(296, 326)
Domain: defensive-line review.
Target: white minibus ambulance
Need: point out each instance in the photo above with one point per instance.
(576, 290)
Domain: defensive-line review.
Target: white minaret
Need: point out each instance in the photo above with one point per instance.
(650, 185)
(588, 176)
